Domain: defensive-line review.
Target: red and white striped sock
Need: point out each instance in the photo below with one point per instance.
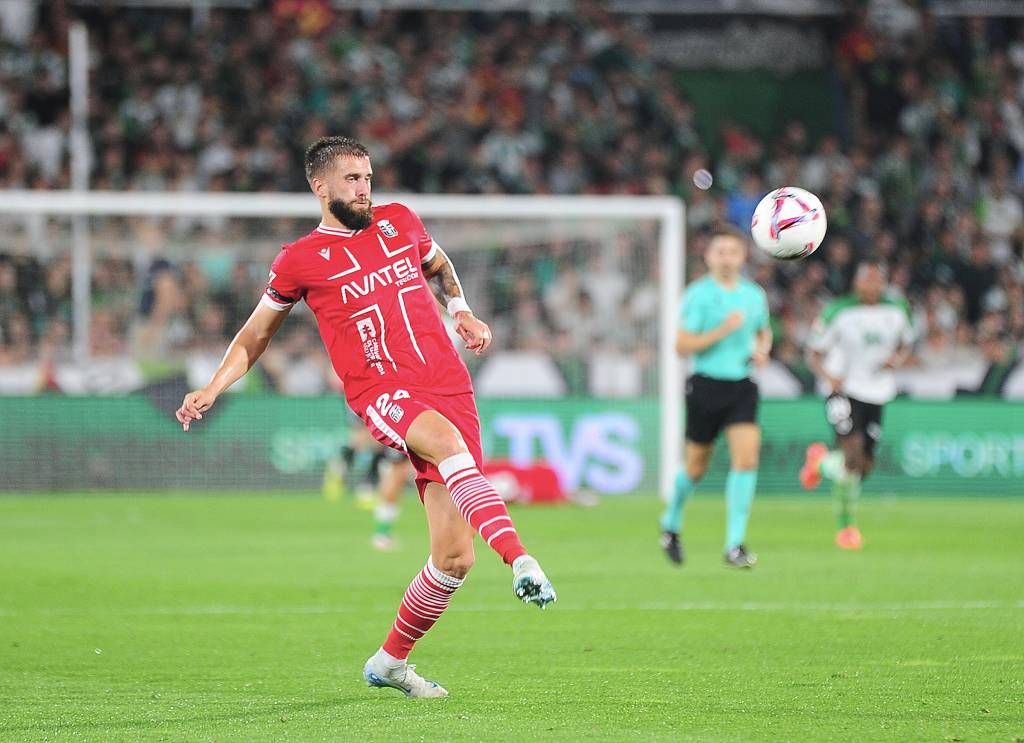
(425, 600)
(480, 504)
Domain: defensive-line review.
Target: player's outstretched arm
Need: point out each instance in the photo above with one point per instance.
(440, 274)
(250, 342)
(687, 342)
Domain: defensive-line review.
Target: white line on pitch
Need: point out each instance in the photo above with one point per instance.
(563, 606)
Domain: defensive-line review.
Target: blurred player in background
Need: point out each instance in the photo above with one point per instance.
(856, 344)
(723, 323)
(371, 275)
(391, 483)
(375, 476)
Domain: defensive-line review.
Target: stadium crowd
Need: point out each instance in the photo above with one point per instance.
(926, 172)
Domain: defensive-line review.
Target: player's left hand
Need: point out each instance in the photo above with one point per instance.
(761, 357)
(473, 331)
(893, 362)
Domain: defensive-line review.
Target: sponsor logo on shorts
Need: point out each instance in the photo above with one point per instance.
(396, 413)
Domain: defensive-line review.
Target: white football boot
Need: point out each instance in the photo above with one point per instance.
(380, 674)
(383, 542)
(530, 584)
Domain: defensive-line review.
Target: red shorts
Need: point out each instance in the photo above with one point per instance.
(388, 413)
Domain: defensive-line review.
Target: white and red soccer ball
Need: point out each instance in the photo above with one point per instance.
(789, 223)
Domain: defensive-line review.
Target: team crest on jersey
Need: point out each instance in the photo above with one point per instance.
(387, 228)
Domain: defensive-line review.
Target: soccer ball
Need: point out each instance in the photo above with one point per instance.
(789, 223)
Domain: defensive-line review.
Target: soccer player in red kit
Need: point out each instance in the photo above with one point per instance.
(374, 279)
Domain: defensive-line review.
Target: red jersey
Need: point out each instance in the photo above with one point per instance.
(378, 319)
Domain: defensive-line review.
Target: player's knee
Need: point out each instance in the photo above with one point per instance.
(456, 562)
(697, 464)
(450, 444)
(434, 438)
(743, 462)
(853, 458)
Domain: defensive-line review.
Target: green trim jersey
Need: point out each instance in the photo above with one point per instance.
(705, 306)
(857, 340)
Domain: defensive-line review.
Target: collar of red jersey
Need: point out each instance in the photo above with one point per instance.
(335, 231)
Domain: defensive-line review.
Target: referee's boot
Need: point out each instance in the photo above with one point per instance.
(672, 545)
(739, 557)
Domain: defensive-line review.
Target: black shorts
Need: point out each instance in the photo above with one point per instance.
(849, 416)
(713, 404)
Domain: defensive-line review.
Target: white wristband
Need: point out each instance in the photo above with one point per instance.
(456, 305)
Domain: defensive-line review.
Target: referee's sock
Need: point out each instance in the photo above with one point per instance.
(672, 519)
(739, 497)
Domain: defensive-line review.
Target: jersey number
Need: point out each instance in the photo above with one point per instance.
(387, 405)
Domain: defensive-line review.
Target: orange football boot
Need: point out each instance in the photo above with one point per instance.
(849, 538)
(810, 477)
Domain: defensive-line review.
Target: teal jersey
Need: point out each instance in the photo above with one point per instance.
(705, 306)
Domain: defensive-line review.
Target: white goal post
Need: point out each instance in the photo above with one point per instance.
(667, 211)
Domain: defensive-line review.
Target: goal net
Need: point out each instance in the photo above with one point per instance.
(115, 304)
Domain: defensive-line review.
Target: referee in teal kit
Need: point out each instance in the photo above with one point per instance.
(723, 323)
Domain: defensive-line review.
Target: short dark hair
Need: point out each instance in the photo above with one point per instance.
(724, 229)
(322, 153)
(871, 262)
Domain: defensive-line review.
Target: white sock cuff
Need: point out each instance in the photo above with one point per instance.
(850, 477)
(386, 512)
(456, 463)
(833, 465)
(449, 581)
(389, 660)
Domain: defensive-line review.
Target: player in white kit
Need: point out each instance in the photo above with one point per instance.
(857, 343)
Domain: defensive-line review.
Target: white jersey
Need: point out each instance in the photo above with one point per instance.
(857, 339)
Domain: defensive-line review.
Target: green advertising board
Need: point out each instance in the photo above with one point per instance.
(268, 443)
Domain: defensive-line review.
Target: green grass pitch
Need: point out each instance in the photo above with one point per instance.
(248, 618)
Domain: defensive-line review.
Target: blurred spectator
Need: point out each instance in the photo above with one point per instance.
(743, 201)
(296, 364)
(18, 344)
(1002, 219)
(926, 173)
(976, 276)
